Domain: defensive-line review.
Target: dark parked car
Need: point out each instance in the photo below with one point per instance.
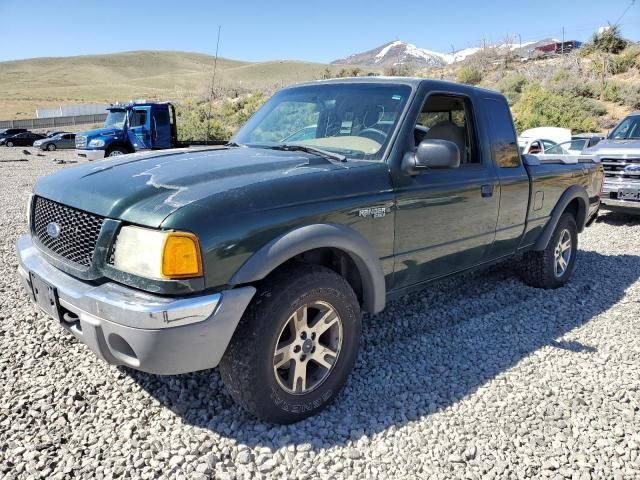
(24, 139)
(60, 141)
(10, 132)
(260, 257)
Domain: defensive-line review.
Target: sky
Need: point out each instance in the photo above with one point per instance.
(317, 31)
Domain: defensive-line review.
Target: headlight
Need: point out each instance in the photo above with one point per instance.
(157, 254)
(96, 143)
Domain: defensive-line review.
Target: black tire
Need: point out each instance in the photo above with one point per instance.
(9, 144)
(248, 366)
(539, 269)
(51, 147)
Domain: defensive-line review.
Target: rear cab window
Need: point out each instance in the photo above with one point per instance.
(504, 146)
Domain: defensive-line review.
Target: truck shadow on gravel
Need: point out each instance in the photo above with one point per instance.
(424, 353)
(618, 218)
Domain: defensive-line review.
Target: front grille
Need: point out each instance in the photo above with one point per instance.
(621, 168)
(77, 230)
(81, 141)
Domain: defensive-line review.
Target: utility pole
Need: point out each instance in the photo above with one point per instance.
(212, 86)
(520, 40)
(562, 47)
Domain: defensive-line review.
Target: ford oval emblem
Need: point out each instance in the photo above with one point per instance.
(53, 230)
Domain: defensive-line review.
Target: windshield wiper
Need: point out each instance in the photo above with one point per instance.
(287, 147)
(233, 144)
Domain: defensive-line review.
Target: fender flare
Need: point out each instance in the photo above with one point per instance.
(310, 237)
(570, 194)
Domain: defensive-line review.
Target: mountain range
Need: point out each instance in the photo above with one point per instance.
(404, 53)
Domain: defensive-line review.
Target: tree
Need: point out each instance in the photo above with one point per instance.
(608, 40)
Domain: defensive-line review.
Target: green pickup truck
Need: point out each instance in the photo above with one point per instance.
(259, 257)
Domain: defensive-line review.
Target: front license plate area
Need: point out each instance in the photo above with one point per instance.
(629, 194)
(46, 296)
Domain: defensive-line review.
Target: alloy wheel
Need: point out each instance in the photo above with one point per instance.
(562, 254)
(307, 348)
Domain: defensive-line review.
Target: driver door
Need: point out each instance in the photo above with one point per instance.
(446, 217)
(139, 131)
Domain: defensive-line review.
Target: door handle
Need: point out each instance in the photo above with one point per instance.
(486, 190)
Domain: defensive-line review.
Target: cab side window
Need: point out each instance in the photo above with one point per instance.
(138, 118)
(449, 117)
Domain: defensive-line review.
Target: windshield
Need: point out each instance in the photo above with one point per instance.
(356, 120)
(558, 149)
(628, 128)
(115, 119)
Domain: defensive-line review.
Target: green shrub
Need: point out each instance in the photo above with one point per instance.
(219, 120)
(613, 92)
(538, 107)
(560, 76)
(630, 96)
(511, 86)
(469, 75)
(629, 58)
(571, 86)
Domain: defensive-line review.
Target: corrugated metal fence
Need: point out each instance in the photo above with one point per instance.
(69, 110)
(35, 123)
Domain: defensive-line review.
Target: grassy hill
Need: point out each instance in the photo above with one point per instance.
(42, 82)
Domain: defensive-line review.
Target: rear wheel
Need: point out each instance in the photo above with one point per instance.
(553, 266)
(295, 345)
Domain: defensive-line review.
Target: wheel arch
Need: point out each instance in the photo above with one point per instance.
(574, 200)
(125, 146)
(312, 241)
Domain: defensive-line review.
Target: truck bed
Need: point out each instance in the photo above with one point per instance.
(550, 179)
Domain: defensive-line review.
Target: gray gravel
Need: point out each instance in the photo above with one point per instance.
(477, 377)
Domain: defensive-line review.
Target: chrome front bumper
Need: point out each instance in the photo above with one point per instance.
(90, 154)
(124, 326)
(609, 203)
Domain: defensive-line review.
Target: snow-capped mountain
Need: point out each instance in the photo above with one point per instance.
(404, 53)
(397, 53)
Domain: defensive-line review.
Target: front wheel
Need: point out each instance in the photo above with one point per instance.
(9, 144)
(553, 266)
(51, 147)
(116, 152)
(295, 345)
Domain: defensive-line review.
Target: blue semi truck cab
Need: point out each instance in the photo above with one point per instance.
(130, 128)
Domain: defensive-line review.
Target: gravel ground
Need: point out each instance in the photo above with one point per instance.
(477, 377)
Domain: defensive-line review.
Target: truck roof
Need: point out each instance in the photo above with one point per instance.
(132, 105)
(411, 81)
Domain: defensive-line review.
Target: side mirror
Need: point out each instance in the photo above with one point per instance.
(431, 154)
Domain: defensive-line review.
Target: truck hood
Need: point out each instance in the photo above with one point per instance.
(145, 188)
(615, 147)
(100, 132)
